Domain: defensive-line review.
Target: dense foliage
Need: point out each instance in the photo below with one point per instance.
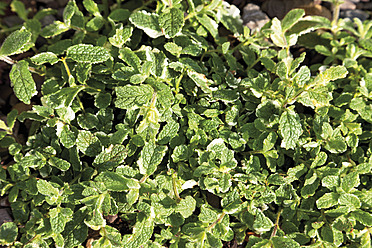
(168, 124)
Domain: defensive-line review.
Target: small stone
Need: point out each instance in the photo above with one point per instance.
(348, 4)
(364, 5)
(279, 8)
(4, 202)
(44, 1)
(355, 13)
(318, 10)
(12, 20)
(253, 17)
(5, 216)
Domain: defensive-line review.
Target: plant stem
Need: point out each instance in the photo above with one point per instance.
(276, 224)
(175, 187)
(336, 14)
(12, 62)
(179, 81)
(105, 8)
(143, 178)
(7, 60)
(66, 67)
(4, 30)
(218, 220)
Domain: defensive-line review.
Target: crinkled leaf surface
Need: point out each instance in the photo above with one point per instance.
(23, 84)
(8, 233)
(290, 128)
(142, 232)
(88, 143)
(129, 97)
(85, 53)
(17, 42)
(148, 22)
(171, 22)
(151, 156)
(116, 182)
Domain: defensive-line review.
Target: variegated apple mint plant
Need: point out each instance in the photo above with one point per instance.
(169, 124)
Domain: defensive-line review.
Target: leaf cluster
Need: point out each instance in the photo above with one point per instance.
(170, 117)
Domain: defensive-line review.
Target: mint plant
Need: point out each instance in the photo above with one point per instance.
(168, 124)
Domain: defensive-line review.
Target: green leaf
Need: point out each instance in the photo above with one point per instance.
(129, 57)
(231, 19)
(102, 100)
(277, 36)
(310, 186)
(320, 160)
(330, 74)
(226, 95)
(116, 182)
(171, 22)
(92, 7)
(119, 15)
(5, 127)
(186, 207)
(23, 84)
(111, 157)
(225, 47)
(213, 241)
(292, 18)
(69, 12)
(76, 231)
(19, 8)
(261, 222)
(88, 143)
(181, 153)
(8, 233)
(95, 24)
(207, 215)
(363, 217)
(336, 145)
(45, 188)
(310, 23)
(59, 163)
(330, 182)
(96, 221)
(173, 48)
(231, 202)
(290, 129)
(151, 156)
(148, 22)
(200, 80)
(85, 53)
(283, 242)
(168, 132)
(327, 200)
(349, 200)
(350, 181)
(366, 44)
(131, 97)
(63, 97)
(33, 159)
(59, 217)
(142, 232)
(121, 36)
(17, 42)
(209, 24)
(42, 58)
(54, 29)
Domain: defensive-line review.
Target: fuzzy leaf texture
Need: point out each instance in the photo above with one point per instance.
(23, 84)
